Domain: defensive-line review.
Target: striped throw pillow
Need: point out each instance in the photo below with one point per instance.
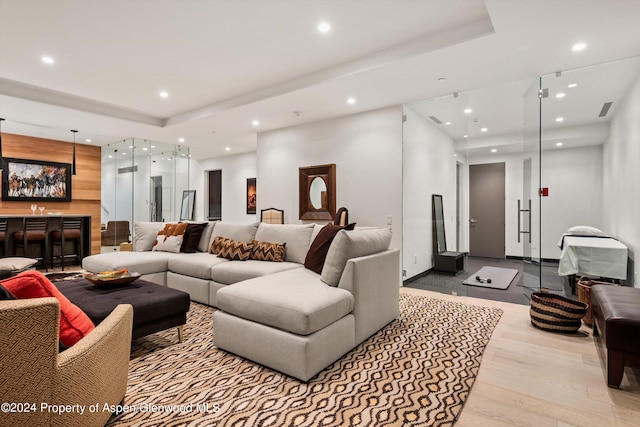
(266, 251)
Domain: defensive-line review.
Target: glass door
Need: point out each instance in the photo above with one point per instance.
(529, 206)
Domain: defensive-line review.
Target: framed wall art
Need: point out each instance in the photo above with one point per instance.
(251, 196)
(35, 181)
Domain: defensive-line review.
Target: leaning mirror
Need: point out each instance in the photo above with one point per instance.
(317, 192)
(188, 203)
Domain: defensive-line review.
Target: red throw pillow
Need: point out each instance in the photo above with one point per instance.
(317, 253)
(74, 323)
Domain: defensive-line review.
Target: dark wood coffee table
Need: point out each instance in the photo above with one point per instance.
(155, 307)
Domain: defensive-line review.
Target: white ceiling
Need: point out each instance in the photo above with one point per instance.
(226, 63)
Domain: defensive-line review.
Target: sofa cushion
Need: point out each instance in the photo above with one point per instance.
(74, 323)
(231, 249)
(308, 306)
(352, 244)
(192, 236)
(144, 235)
(296, 236)
(233, 272)
(205, 240)
(241, 232)
(170, 238)
(319, 248)
(139, 262)
(195, 265)
(265, 251)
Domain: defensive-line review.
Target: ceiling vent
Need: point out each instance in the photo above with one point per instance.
(605, 109)
(435, 120)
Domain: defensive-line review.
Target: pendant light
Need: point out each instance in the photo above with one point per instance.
(73, 164)
(1, 120)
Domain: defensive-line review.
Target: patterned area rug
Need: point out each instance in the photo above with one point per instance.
(418, 370)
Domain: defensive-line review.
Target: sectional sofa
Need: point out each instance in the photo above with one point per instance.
(279, 314)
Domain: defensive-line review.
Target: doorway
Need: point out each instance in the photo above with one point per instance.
(156, 199)
(486, 210)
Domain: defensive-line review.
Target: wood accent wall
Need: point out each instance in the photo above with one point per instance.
(85, 185)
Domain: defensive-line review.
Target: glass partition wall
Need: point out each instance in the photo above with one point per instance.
(142, 180)
(551, 134)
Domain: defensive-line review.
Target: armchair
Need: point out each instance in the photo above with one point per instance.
(115, 233)
(93, 371)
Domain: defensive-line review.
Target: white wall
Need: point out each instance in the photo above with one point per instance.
(367, 151)
(235, 171)
(621, 180)
(429, 167)
(574, 179)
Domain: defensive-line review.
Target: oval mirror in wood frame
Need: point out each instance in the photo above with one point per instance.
(322, 205)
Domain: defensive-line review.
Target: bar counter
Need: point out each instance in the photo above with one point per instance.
(54, 221)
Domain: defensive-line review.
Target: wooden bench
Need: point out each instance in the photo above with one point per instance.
(616, 315)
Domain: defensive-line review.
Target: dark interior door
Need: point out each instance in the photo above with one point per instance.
(486, 210)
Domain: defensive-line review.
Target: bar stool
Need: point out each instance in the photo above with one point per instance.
(70, 230)
(34, 230)
(4, 239)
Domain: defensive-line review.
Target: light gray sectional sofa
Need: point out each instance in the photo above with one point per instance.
(279, 314)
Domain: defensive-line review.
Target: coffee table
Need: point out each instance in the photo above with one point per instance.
(155, 307)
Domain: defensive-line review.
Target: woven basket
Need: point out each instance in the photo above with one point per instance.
(556, 313)
(584, 295)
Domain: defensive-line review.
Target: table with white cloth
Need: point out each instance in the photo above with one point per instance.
(593, 256)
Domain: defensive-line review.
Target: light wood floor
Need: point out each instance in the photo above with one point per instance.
(530, 377)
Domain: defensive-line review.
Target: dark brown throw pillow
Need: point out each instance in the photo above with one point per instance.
(192, 237)
(267, 251)
(5, 294)
(314, 260)
(231, 249)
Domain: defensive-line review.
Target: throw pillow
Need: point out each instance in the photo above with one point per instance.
(145, 235)
(266, 251)
(16, 263)
(317, 253)
(5, 294)
(231, 249)
(192, 236)
(170, 238)
(74, 323)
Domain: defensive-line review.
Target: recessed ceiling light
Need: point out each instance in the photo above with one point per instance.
(110, 156)
(559, 144)
(455, 155)
(465, 136)
(180, 139)
(468, 110)
(324, 27)
(255, 123)
(227, 148)
(131, 146)
(484, 129)
(48, 60)
(144, 148)
(351, 101)
(494, 150)
(87, 140)
(572, 85)
(559, 119)
(560, 95)
(124, 154)
(153, 146)
(164, 94)
(447, 123)
(578, 47)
